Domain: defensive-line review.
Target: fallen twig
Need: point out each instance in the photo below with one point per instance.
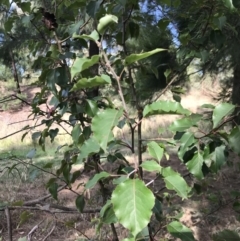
(33, 230)
(54, 226)
(9, 223)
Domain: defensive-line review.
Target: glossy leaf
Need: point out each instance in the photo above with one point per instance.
(53, 190)
(94, 36)
(76, 131)
(102, 125)
(151, 166)
(185, 123)
(132, 203)
(218, 158)
(105, 21)
(178, 230)
(81, 64)
(234, 139)
(186, 140)
(195, 166)
(80, 203)
(220, 112)
(89, 147)
(107, 213)
(165, 107)
(175, 182)
(91, 108)
(92, 182)
(53, 133)
(92, 82)
(155, 150)
(136, 57)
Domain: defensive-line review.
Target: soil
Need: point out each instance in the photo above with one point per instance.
(204, 214)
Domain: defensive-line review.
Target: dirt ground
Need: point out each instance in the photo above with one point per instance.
(204, 214)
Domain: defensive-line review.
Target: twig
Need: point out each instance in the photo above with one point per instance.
(116, 77)
(9, 223)
(54, 226)
(29, 128)
(38, 200)
(33, 230)
(39, 168)
(165, 89)
(62, 209)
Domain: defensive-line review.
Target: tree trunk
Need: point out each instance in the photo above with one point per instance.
(236, 92)
(15, 74)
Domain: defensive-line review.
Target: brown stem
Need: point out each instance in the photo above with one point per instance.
(9, 223)
(140, 116)
(15, 74)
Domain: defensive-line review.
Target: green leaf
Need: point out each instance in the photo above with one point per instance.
(178, 230)
(185, 123)
(220, 112)
(165, 107)
(157, 210)
(218, 158)
(91, 108)
(151, 166)
(133, 29)
(53, 133)
(155, 150)
(107, 213)
(53, 190)
(136, 57)
(120, 180)
(92, 182)
(25, 6)
(93, 7)
(24, 217)
(76, 131)
(94, 36)
(163, 23)
(187, 140)
(195, 166)
(31, 153)
(229, 4)
(17, 203)
(80, 203)
(73, 28)
(234, 139)
(226, 235)
(102, 125)
(91, 82)
(132, 203)
(105, 21)
(22, 239)
(81, 64)
(220, 22)
(175, 182)
(88, 148)
(204, 56)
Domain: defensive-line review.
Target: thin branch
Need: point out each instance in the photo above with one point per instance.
(29, 236)
(48, 235)
(62, 209)
(9, 223)
(40, 199)
(16, 132)
(165, 89)
(116, 77)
